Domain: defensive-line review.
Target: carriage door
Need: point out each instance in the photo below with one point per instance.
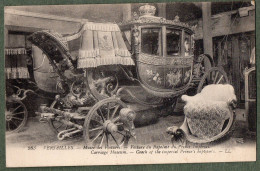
(150, 62)
(178, 57)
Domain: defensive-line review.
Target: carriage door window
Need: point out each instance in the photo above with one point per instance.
(173, 42)
(151, 41)
(187, 44)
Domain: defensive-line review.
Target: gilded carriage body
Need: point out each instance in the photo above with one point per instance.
(162, 50)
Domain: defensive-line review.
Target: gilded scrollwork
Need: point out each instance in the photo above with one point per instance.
(157, 20)
(187, 76)
(155, 60)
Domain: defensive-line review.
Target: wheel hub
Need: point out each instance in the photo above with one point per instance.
(109, 126)
(8, 115)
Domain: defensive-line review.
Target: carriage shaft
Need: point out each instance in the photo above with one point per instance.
(64, 113)
(71, 124)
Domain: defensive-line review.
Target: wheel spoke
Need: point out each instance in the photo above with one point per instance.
(17, 118)
(106, 140)
(16, 108)
(115, 119)
(108, 111)
(114, 112)
(97, 136)
(210, 76)
(14, 123)
(219, 79)
(95, 129)
(101, 114)
(123, 139)
(102, 139)
(216, 76)
(114, 139)
(97, 121)
(8, 125)
(17, 113)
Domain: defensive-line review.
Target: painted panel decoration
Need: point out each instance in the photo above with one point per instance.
(152, 75)
(165, 72)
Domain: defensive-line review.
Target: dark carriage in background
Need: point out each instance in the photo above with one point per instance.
(88, 72)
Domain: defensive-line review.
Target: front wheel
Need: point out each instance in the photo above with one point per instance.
(102, 125)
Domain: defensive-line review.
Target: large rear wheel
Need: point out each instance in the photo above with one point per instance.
(214, 75)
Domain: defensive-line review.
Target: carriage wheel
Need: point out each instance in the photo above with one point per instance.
(206, 62)
(16, 115)
(102, 84)
(203, 64)
(102, 126)
(214, 75)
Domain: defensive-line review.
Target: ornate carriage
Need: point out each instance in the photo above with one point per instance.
(87, 71)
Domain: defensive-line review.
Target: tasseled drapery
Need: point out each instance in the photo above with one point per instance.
(101, 44)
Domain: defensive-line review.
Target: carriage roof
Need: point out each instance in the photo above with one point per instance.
(147, 18)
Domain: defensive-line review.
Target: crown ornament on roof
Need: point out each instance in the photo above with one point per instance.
(147, 10)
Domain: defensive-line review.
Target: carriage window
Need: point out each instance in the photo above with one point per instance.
(173, 41)
(150, 42)
(187, 44)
